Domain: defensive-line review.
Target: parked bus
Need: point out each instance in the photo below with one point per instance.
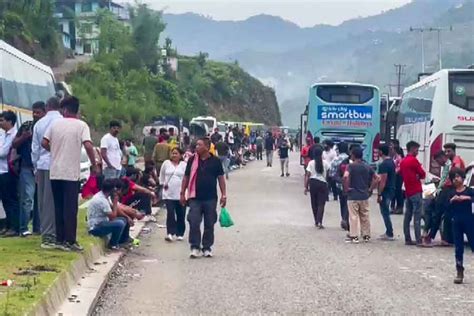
(23, 81)
(210, 121)
(347, 112)
(437, 110)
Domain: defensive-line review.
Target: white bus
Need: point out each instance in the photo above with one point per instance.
(438, 110)
(210, 121)
(23, 81)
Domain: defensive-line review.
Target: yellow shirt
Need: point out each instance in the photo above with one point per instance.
(212, 150)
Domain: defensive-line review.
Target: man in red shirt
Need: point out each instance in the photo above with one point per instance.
(412, 173)
(456, 161)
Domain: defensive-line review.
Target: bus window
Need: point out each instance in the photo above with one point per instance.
(416, 105)
(461, 90)
(345, 94)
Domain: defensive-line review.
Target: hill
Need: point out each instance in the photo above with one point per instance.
(290, 58)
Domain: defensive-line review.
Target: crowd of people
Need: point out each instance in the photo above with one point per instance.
(398, 181)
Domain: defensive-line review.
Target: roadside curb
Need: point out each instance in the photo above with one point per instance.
(76, 291)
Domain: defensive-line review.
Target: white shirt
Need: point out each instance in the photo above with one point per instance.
(311, 168)
(114, 153)
(172, 176)
(330, 155)
(6, 140)
(230, 137)
(40, 157)
(66, 137)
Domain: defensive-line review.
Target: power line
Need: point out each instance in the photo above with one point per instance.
(422, 30)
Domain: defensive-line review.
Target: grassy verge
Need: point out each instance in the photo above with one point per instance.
(33, 269)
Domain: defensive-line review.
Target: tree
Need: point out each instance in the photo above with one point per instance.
(201, 59)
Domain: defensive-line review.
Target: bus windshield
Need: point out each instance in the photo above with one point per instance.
(461, 90)
(345, 94)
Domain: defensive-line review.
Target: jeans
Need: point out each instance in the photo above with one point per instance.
(27, 195)
(198, 210)
(9, 197)
(175, 218)
(259, 152)
(385, 211)
(398, 200)
(111, 173)
(441, 206)
(141, 202)
(46, 207)
(413, 209)
(344, 207)
(225, 161)
(66, 206)
(118, 228)
(269, 156)
(284, 163)
(319, 194)
(462, 223)
(36, 216)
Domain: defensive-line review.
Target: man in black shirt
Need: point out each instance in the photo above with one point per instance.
(223, 153)
(269, 146)
(386, 189)
(27, 185)
(284, 158)
(200, 179)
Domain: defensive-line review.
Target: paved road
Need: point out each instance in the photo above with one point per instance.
(275, 261)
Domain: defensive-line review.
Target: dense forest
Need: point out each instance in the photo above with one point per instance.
(130, 80)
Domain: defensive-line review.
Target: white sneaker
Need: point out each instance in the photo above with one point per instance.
(26, 233)
(194, 253)
(169, 238)
(207, 254)
(150, 218)
(180, 238)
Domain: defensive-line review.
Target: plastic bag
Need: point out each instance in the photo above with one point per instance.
(224, 218)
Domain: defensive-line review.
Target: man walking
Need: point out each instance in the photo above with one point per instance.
(200, 180)
(412, 173)
(359, 180)
(259, 143)
(269, 146)
(41, 159)
(161, 153)
(111, 152)
(64, 140)
(386, 189)
(337, 170)
(22, 144)
(283, 150)
(149, 143)
(8, 181)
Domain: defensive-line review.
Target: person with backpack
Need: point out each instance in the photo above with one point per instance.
(336, 172)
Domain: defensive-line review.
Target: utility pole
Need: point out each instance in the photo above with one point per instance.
(431, 29)
(400, 71)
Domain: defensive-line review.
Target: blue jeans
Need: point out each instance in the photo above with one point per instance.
(112, 173)
(225, 161)
(385, 211)
(413, 209)
(118, 228)
(463, 223)
(27, 195)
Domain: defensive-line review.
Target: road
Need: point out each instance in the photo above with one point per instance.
(274, 261)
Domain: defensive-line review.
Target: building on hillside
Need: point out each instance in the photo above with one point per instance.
(77, 22)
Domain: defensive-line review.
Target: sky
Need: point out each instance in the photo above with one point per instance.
(305, 13)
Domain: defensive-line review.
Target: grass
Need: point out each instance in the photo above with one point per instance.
(33, 270)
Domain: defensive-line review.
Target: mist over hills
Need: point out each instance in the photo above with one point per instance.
(290, 58)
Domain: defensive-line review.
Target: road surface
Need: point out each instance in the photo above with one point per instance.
(274, 261)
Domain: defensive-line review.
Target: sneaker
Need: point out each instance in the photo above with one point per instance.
(353, 240)
(207, 254)
(62, 246)
(169, 238)
(150, 218)
(282, 175)
(114, 248)
(180, 238)
(366, 238)
(287, 174)
(25, 233)
(48, 245)
(385, 237)
(75, 247)
(194, 253)
(320, 226)
(410, 243)
(11, 233)
(3, 231)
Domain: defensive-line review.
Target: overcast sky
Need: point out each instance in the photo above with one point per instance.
(304, 13)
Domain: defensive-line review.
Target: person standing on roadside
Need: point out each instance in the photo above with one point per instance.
(456, 161)
(161, 153)
(149, 143)
(64, 139)
(230, 138)
(41, 159)
(359, 181)
(203, 171)
(460, 200)
(338, 167)
(386, 189)
(27, 185)
(305, 152)
(223, 154)
(216, 136)
(412, 173)
(171, 178)
(316, 184)
(132, 153)
(269, 147)
(8, 179)
(399, 199)
(283, 152)
(329, 154)
(259, 143)
(111, 152)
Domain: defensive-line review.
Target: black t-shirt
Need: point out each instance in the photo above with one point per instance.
(388, 167)
(269, 143)
(283, 151)
(25, 149)
(360, 178)
(222, 149)
(464, 207)
(216, 137)
(206, 180)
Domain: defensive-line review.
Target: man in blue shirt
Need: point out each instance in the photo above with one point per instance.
(22, 143)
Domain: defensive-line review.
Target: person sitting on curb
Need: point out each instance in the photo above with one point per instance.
(103, 219)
